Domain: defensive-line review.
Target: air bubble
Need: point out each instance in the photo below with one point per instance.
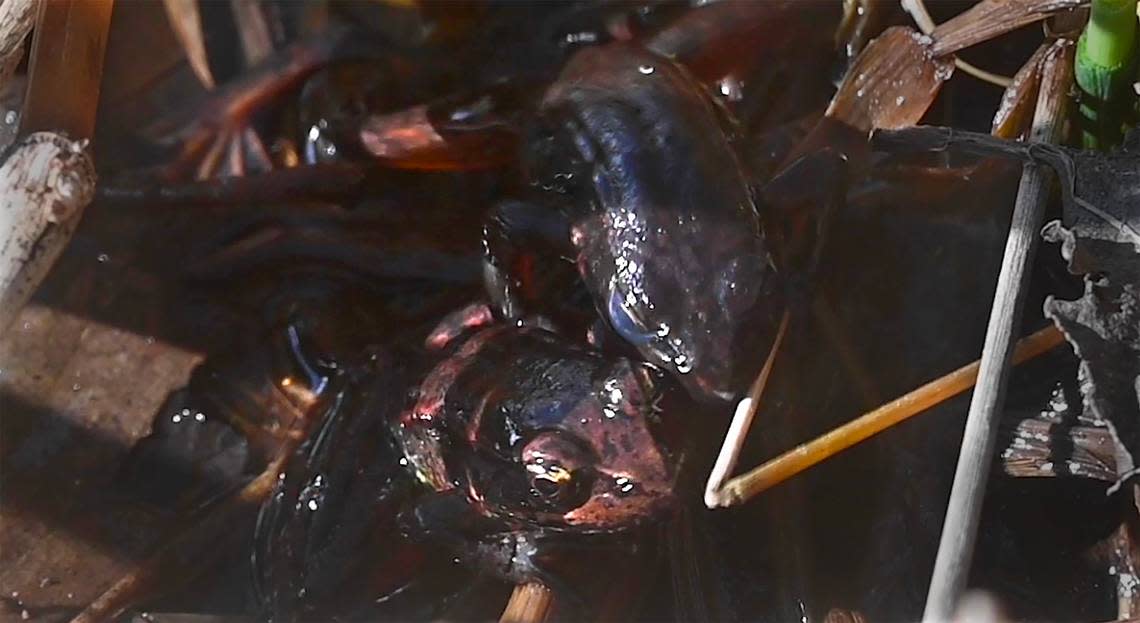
(103, 258)
(645, 69)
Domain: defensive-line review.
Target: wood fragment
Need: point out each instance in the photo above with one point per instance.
(804, 456)
(1090, 451)
(529, 603)
(959, 530)
(186, 22)
(992, 18)
(44, 186)
(16, 20)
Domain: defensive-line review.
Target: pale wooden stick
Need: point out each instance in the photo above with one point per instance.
(959, 530)
(804, 456)
(529, 603)
(738, 429)
(44, 185)
(16, 19)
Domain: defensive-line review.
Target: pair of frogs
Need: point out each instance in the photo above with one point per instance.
(497, 433)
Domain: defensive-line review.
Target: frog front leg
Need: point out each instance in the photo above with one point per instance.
(525, 251)
(801, 199)
(451, 519)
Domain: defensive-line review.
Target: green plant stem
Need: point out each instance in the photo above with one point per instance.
(1106, 56)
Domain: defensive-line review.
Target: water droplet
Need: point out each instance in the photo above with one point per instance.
(199, 417)
(404, 461)
(859, 93)
(11, 117)
(25, 615)
(103, 257)
(150, 339)
(645, 69)
(76, 387)
(684, 366)
(900, 100)
(625, 485)
(610, 413)
(313, 505)
(176, 418)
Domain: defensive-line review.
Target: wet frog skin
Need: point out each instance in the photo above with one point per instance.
(509, 443)
(634, 158)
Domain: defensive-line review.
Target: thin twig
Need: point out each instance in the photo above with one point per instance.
(804, 456)
(186, 23)
(959, 530)
(253, 31)
(917, 10)
(529, 603)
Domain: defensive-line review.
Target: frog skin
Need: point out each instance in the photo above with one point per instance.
(637, 164)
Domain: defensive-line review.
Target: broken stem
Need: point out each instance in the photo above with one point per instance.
(715, 494)
(529, 603)
(804, 456)
(960, 527)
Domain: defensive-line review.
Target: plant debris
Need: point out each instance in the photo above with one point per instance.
(1100, 238)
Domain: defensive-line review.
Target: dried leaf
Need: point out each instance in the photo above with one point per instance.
(992, 18)
(892, 83)
(1100, 236)
(1016, 109)
(1104, 330)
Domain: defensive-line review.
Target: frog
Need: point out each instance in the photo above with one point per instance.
(637, 181)
(489, 442)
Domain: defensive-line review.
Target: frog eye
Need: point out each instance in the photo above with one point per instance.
(626, 322)
(558, 471)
